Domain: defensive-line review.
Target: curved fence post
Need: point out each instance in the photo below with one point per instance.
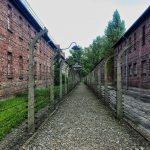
(52, 86)
(66, 78)
(60, 81)
(119, 86)
(99, 82)
(31, 94)
(106, 77)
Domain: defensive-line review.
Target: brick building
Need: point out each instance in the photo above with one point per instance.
(136, 59)
(18, 26)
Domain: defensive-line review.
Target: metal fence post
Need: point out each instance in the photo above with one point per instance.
(31, 84)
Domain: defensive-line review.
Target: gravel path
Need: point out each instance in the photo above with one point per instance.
(84, 123)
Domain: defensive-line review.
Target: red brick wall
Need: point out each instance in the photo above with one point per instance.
(17, 42)
(141, 53)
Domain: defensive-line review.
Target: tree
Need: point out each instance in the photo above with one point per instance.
(75, 56)
(113, 32)
(101, 46)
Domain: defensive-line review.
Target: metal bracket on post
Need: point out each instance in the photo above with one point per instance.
(31, 84)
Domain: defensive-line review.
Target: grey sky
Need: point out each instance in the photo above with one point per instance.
(82, 20)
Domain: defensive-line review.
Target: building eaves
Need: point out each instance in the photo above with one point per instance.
(136, 24)
(30, 18)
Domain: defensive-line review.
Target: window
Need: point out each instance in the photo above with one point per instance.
(9, 66)
(143, 35)
(20, 67)
(130, 70)
(9, 18)
(134, 41)
(135, 69)
(143, 67)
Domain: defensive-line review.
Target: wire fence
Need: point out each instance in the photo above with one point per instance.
(15, 89)
(125, 87)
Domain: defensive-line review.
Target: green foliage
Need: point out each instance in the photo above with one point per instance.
(102, 45)
(56, 72)
(76, 56)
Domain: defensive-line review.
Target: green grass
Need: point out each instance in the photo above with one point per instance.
(13, 110)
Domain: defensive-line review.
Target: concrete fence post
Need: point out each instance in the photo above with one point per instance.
(119, 84)
(106, 80)
(106, 77)
(66, 72)
(52, 86)
(119, 89)
(31, 83)
(99, 82)
(60, 81)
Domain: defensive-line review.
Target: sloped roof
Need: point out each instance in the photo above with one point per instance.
(136, 24)
(32, 20)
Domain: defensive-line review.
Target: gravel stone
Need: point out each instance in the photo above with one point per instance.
(83, 122)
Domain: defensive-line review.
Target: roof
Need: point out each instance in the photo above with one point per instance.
(31, 19)
(136, 24)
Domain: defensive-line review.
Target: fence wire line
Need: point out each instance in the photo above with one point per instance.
(135, 80)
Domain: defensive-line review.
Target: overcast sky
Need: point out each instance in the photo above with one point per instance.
(82, 20)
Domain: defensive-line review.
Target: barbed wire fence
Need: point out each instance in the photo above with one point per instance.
(125, 89)
(16, 71)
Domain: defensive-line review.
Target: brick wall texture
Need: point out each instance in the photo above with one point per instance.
(15, 35)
